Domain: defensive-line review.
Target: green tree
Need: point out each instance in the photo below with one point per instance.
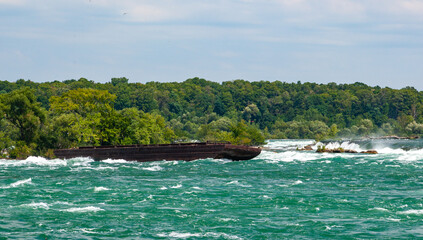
(24, 112)
(414, 128)
(83, 101)
(146, 128)
(93, 115)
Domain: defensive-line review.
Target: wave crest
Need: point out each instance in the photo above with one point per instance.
(84, 209)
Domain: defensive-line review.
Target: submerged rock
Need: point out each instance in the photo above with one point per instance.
(335, 150)
(307, 148)
(341, 150)
(394, 137)
(370, 152)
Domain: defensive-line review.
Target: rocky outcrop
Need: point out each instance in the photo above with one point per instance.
(306, 148)
(394, 137)
(370, 152)
(341, 150)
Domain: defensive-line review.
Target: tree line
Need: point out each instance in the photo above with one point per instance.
(37, 117)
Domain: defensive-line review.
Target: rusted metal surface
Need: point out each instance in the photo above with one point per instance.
(170, 152)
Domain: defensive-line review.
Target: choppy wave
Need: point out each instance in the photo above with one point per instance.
(99, 189)
(22, 182)
(37, 205)
(287, 156)
(337, 145)
(84, 209)
(412, 155)
(18, 183)
(179, 235)
(412, 212)
(197, 235)
(237, 183)
(153, 168)
(379, 209)
(115, 161)
(272, 152)
(38, 161)
(176, 186)
(287, 144)
(283, 193)
(298, 182)
(401, 155)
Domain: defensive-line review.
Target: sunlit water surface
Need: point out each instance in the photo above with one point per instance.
(282, 193)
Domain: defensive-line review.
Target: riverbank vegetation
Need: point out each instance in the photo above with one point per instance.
(38, 117)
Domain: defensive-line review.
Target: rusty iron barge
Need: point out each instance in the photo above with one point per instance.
(159, 152)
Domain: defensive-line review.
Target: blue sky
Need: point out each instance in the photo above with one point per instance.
(377, 42)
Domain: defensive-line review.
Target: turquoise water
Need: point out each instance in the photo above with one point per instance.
(281, 194)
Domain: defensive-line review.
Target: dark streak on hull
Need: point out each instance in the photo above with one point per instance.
(159, 152)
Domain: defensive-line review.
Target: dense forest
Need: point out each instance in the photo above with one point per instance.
(38, 117)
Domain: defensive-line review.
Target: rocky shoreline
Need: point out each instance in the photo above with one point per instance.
(341, 150)
(323, 149)
(394, 137)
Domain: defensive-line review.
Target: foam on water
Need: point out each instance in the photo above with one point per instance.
(412, 212)
(88, 230)
(104, 168)
(273, 154)
(282, 194)
(287, 144)
(227, 219)
(37, 205)
(379, 209)
(99, 189)
(412, 155)
(37, 161)
(22, 182)
(221, 235)
(237, 183)
(62, 203)
(153, 168)
(179, 235)
(217, 160)
(401, 154)
(297, 182)
(336, 145)
(164, 163)
(18, 183)
(387, 150)
(288, 156)
(197, 235)
(115, 161)
(84, 209)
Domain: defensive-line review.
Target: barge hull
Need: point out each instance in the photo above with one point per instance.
(170, 152)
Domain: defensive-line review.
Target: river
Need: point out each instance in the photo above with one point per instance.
(281, 194)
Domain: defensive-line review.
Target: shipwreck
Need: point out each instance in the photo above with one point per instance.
(159, 152)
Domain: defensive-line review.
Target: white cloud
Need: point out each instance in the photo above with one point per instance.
(12, 2)
(143, 11)
(346, 7)
(238, 11)
(406, 7)
(351, 11)
(321, 22)
(187, 10)
(149, 13)
(326, 6)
